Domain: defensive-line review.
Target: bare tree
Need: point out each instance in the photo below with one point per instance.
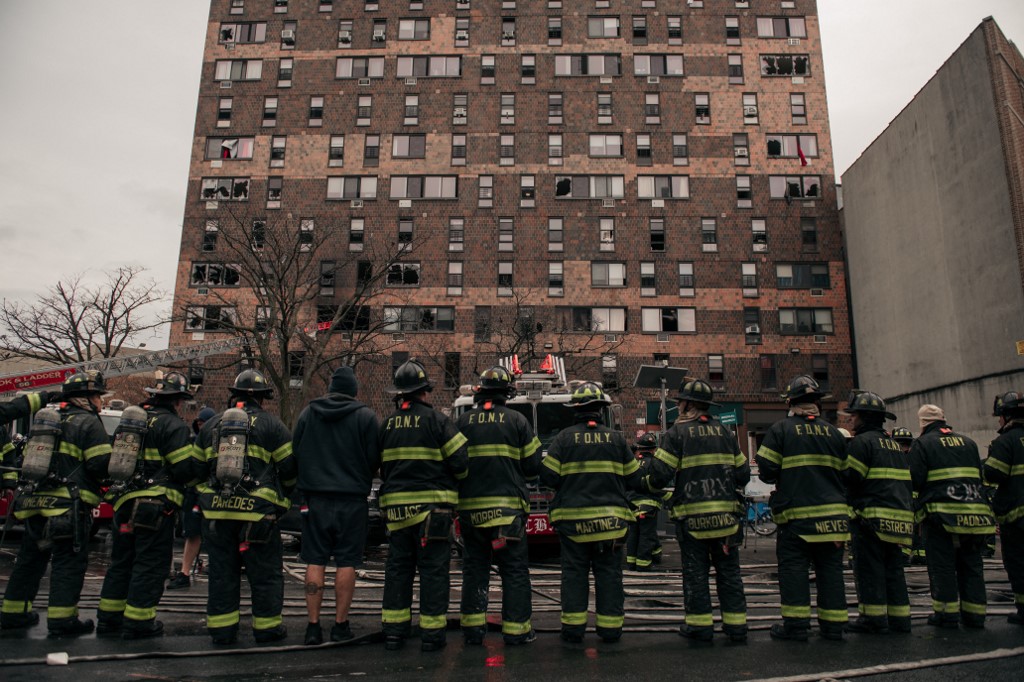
(75, 322)
(303, 305)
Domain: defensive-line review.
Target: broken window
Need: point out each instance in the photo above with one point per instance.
(225, 189)
(210, 318)
(214, 275)
(404, 275)
(792, 146)
(794, 187)
(785, 65)
(229, 147)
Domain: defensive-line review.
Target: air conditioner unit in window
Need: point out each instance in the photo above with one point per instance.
(364, 81)
(288, 36)
(750, 112)
(611, 338)
(606, 79)
(817, 292)
(653, 80)
(345, 36)
(793, 41)
(508, 35)
(608, 203)
(462, 3)
(460, 112)
(820, 338)
(225, 85)
(357, 203)
(203, 291)
(398, 337)
(663, 338)
(378, 36)
(410, 81)
(405, 203)
(742, 152)
(462, 35)
(752, 329)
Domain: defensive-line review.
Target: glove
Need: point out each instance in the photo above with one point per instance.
(47, 397)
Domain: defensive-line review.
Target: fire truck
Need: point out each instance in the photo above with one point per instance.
(542, 397)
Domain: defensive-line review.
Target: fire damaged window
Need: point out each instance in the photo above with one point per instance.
(419, 319)
(210, 318)
(794, 187)
(214, 275)
(404, 275)
(785, 65)
(225, 189)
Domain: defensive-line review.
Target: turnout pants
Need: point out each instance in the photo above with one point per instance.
(407, 554)
(604, 558)
(642, 545)
(67, 571)
(698, 557)
(882, 597)
(1013, 560)
(227, 551)
(956, 574)
(796, 556)
(514, 568)
(138, 566)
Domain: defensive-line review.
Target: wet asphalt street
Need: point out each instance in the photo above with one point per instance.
(649, 650)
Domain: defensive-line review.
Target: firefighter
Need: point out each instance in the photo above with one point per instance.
(881, 495)
(1005, 468)
(145, 507)
(643, 548)
(247, 472)
(804, 456)
(503, 454)
(915, 554)
(423, 458)
(58, 510)
(191, 521)
(703, 460)
(590, 467)
(19, 408)
(946, 470)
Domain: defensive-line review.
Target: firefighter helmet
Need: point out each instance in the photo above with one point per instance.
(410, 377)
(251, 382)
(174, 383)
(588, 394)
(902, 435)
(496, 380)
(646, 441)
(84, 384)
(867, 402)
(1007, 404)
(696, 391)
(804, 389)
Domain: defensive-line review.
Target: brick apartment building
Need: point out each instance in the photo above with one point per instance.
(634, 181)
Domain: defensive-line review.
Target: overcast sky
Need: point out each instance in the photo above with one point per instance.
(99, 100)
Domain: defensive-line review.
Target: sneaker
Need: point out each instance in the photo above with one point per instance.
(274, 634)
(696, 634)
(341, 632)
(433, 644)
(571, 637)
(179, 582)
(866, 626)
(393, 642)
(516, 640)
(781, 632)
(19, 621)
(152, 629)
(314, 634)
(71, 628)
(940, 621)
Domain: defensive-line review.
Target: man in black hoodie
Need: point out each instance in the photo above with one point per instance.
(336, 445)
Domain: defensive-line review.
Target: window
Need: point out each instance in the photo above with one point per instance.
(487, 69)
(458, 150)
(590, 186)
(506, 234)
(258, 235)
(507, 150)
(792, 147)
(740, 149)
(606, 145)
(461, 32)
(424, 187)
(345, 33)
(528, 69)
(769, 374)
(210, 235)
(380, 32)
(352, 187)
(709, 234)
(328, 269)
(610, 371)
(794, 187)
(748, 278)
(280, 6)
(644, 156)
(210, 318)
(555, 108)
(680, 151)
(819, 370)
(732, 30)
(364, 110)
(307, 228)
(269, 112)
(508, 31)
(460, 108)
(455, 278)
(686, 280)
(316, 111)
(652, 108)
(411, 113)
(781, 27)
(606, 233)
(414, 29)
(356, 232)
(360, 67)
(485, 191)
(371, 150)
(409, 146)
(656, 227)
(224, 112)
(658, 65)
(419, 319)
(716, 369)
(336, 151)
(702, 108)
(229, 147)
(364, 273)
(403, 275)
(508, 109)
(735, 69)
(214, 275)
(809, 234)
(556, 234)
(405, 227)
(608, 274)
(604, 107)
(224, 189)
(325, 314)
(288, 32)
(592, 319)
(744, 197)
(237, 7)
(675, 30)
(669, 320)
(802, 275)
(640, 30)
(527, 191)
(798, 108)
(554, 30)
(588, 65)
(785, 65)
(482, 323)
(505, 280)
(602, 27)
(238, 70)
(556, 279)
(752, 326)
(326, 5)
(452, 370)
(555, 150)
(456, 234)
(284, 73)
(663, 186)
(759, 233)
(805, 321)
(648, 282)
(277, 151)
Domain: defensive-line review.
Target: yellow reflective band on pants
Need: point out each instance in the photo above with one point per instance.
(11, 606)
(473, 620)
(222, 620)
(575, 618)
(644, 562)
(56, 612)
(113, 605)
(899, 611)
(266, 622)
(699, 620)
(396, 615)
(135, 613)
(610, 621)
(872, 609)
(434, 622)
(945, 607)
(789, 611)
(510, 628)
(833, 615)
(734, 618)
(973, 609)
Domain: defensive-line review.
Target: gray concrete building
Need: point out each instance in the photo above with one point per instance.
(934, 228)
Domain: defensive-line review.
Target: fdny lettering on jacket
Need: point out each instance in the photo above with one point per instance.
(588, 438)
(813, 430)
(952, 441)
(705, 430)
(486, 418)
(889, 444)
(403, 421)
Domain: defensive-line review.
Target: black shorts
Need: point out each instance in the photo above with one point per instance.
(191, 518)
(334, 526)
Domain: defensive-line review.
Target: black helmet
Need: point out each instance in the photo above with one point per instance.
(901, 434)
(1007, 403)
(410, 377)
(867, 402)
(646, 441)
(251, 382)
(496, 380)
(174, 383)
(83, 384)
(804, 389)
(696, 391)
(588, 394)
